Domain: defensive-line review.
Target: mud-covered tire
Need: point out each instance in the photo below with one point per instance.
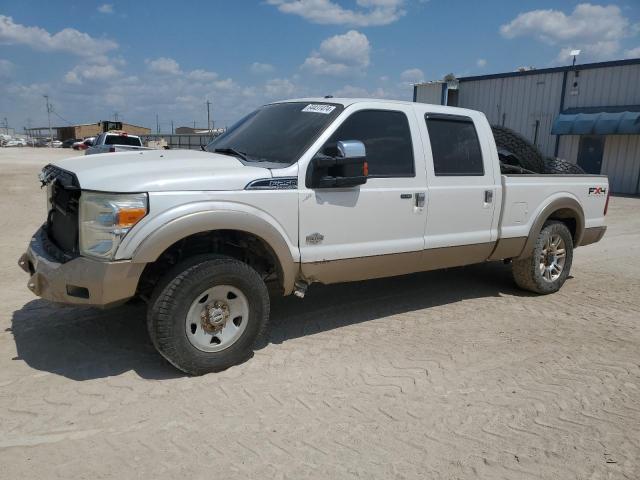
(527, 155)
(175, 295)
(528, 272)
(559, 166)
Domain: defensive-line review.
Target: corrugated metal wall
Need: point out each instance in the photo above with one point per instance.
(568, 149)
(517, 103)
(610, 86)
(429, 93)
(621, 163)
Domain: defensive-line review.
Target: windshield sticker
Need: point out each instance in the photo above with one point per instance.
(315, 108)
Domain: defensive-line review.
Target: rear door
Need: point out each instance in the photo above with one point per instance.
(462, 185)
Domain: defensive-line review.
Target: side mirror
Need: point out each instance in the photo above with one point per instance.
(348, 169)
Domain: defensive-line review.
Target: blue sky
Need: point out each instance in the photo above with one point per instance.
(95, 58)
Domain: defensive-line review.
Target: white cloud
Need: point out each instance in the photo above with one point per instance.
(106, 8)
(481, 63)
(340, 55)
(412, 75)
(632, 53)
(261, 68)
(202, 75)
(66, 40)
(595, 29)
(369, 12)
(226, 84)
(280, 88)
(164, 65)
(6, 68)
(92, 73)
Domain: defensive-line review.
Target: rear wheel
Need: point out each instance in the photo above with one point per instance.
(208, 314)
(546, 270)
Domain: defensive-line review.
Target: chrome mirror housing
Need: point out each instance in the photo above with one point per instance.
(351, 149)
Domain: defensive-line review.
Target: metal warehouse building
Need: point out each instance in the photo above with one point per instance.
(588, 114)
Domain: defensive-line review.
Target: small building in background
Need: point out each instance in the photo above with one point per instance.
(588, 114)
(93, 129)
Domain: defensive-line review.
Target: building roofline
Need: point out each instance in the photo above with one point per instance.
(75, 125)
(566, 68)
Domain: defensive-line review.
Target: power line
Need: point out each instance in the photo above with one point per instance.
(59, 116)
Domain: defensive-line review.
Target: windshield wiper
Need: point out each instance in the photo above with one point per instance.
(231, 151)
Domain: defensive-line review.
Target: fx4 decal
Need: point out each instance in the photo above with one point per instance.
(597, 191)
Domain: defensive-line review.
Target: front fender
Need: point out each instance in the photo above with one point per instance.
(146, 244)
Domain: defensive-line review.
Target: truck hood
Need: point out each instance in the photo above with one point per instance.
(161, 170)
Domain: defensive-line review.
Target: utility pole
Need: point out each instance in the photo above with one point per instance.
(29, 132)
(172, 132)
(115, 116)
(194, 124)
(46, 97)
(157, 124)
(208, 116)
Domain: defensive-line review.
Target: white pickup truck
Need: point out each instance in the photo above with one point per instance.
(114, 141)
(301, 191)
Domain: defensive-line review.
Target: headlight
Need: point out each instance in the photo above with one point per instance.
(105, 218)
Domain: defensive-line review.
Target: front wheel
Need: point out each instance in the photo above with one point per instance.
(546, 270)
(208, 315)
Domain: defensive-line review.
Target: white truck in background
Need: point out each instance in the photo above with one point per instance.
(113, 141)
(301, 191)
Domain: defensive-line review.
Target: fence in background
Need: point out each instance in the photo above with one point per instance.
(183, 141)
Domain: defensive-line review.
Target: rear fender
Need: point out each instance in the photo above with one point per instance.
(570, 206)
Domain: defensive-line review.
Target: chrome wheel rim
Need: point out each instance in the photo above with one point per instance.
(217, 318)
(552, 258)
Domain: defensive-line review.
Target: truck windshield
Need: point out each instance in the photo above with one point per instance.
(276, 133)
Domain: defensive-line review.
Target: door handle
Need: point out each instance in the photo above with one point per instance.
(488, 196)
(420, 198)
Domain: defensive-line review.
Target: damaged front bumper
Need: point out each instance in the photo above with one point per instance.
(79, 281)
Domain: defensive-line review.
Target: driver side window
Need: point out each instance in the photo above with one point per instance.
(387, 139)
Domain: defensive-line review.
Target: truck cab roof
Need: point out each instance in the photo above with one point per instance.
(346, 102)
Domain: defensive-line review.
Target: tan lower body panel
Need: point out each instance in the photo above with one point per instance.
(365, 268)
(508, 248)
(592, 235)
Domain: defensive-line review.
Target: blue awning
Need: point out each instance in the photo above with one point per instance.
(600, 123)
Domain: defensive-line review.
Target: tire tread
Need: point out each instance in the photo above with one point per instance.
(165, 301)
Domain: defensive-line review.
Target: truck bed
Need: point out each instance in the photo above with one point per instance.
(524, 196)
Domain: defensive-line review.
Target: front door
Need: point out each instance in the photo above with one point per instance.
(590, 153)
(339, 227)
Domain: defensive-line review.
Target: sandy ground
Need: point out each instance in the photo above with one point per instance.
(452, 374)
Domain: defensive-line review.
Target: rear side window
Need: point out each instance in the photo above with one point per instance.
(122, 140)
(455, 146)
(386, 137)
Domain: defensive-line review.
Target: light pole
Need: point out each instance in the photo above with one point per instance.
(208, 116)
(574, 54)
(46, 97)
